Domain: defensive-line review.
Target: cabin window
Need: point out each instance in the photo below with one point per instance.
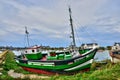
(25, 51)
(33, 50)
(118, 52)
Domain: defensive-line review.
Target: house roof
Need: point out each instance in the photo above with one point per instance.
(89, 44)
(116, 43)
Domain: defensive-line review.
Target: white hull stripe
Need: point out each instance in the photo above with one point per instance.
(40, 63)
(88, 62)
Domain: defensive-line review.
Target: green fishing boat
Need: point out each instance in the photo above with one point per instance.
(63, 62)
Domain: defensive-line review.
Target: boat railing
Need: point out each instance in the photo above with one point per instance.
(90, 50)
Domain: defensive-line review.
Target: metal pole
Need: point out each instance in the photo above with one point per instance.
(71, 24)
(27, 33)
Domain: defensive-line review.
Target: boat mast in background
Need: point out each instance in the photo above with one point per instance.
(71, 24)
(27, 37)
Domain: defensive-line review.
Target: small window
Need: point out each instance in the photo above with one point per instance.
(33, 50)
(25, 51)
(118, 52)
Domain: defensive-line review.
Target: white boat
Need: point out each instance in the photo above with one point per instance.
(115, 53)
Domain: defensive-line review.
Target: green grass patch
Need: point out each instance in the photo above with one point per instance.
(8, 65)
(11, 64)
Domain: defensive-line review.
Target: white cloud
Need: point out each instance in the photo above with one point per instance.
(34, 16)
(54, 21)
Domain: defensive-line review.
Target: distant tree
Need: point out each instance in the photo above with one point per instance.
(109, 47)
(101, 48)
(61, 48)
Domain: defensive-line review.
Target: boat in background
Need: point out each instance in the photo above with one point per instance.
(86, 47)
(115, 53)
(33, 52)
(0, 51)
(63, 62)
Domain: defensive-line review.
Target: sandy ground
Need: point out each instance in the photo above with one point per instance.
(22, 76)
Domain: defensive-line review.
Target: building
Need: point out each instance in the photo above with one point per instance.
(89, 45)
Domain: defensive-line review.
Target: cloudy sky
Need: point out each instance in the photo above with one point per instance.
(47, 22)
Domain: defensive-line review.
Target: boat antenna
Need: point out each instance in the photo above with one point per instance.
(27, 37)
(71, 24)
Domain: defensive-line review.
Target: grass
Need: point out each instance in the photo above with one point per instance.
(11, 64)
(8, 65)
(105, 72)
(98, 71)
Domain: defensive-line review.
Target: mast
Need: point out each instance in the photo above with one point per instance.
(71, 24)
(27, 37)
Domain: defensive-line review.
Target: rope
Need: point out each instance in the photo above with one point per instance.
(84, 30)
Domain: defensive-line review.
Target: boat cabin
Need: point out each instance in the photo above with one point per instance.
(34, 49)
(116, 46)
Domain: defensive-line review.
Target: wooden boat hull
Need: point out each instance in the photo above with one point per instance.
(59, 66)
(115, 56)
